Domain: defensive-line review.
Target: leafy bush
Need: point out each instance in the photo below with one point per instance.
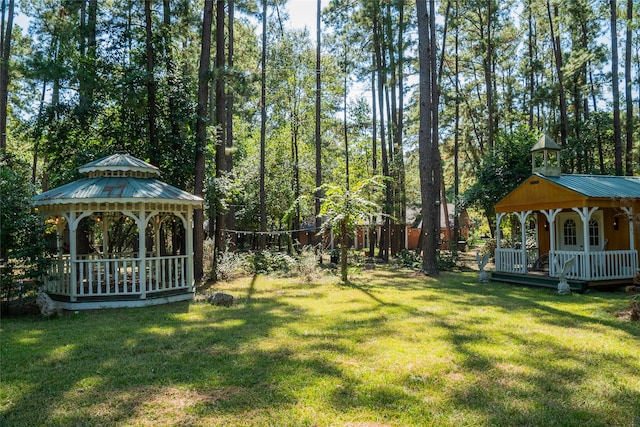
(307, 265)
(23, 250)
(231, 264)
(267, 261)
(412, 259)
(409, 259)
(447, 260)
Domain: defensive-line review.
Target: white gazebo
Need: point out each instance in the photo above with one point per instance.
(124, 238)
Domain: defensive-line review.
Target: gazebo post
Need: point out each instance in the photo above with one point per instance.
(60, 223)
(104, 227)
(142, 253)
(157, 222)
(189, 243)
(73, 254)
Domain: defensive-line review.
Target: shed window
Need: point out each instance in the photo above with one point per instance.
(594, 233)
(570, 237)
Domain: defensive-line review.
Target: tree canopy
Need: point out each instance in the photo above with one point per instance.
(82, 79)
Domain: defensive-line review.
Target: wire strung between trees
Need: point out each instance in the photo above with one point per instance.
(267, 233)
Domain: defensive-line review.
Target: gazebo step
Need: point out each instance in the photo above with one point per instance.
(537, 280)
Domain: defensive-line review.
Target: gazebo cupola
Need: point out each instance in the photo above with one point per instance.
(124, 238)
(545, 157)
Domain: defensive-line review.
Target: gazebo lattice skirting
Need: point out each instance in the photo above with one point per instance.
(124, 238)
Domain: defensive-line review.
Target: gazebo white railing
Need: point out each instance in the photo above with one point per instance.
(120, 189)
(117, 277)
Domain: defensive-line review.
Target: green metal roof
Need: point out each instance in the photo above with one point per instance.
(599, 186)
(119, 163)
(117, 178)
(115, 189)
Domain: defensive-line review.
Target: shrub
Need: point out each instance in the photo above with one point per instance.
(409, 259)
(447, 261)
(23, 248)
(231, 264)
(307, 265)
(267, 261)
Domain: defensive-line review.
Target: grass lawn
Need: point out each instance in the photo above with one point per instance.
(392, 348)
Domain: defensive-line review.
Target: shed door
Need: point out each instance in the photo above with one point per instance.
(569, 232)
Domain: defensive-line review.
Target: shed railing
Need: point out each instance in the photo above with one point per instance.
(597, 265)
(589, 266)
(117, 277)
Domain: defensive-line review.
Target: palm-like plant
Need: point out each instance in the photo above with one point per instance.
(343, 209)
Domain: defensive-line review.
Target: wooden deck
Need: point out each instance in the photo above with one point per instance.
(542, 279)
(537, 278)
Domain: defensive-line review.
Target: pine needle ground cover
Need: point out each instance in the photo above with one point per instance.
(391, 348)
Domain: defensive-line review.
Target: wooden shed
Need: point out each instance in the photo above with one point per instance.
(124, 238)
(552, 217)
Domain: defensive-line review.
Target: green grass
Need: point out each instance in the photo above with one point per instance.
(392, 348)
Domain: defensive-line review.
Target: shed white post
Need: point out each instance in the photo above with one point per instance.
(498, 259)
(522, 216)
(551, 218)
(585, 215)
(629, 212)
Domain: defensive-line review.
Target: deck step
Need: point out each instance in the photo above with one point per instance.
(537, 280)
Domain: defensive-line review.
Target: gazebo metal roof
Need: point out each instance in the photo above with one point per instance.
(117, 178)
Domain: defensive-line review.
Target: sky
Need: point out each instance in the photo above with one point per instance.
(302, 14)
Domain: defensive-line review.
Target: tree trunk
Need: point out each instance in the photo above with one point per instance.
(220, 124)
(488, 79)
(318, 135)
(436, 163)
(555, 39)
(230, 221)
(344, 241)
(531, 80)
(628, 97)
(154, 152)
(4, 72)
(172, 99)
(617, 128)
(402, 217)
(263, 128)
(428, 189)
(201, 136)
(385, 232)
(374, 151)
(345, 125)
(456, 140)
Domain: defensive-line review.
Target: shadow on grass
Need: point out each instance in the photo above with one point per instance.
(105, 368)
(118, 367)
